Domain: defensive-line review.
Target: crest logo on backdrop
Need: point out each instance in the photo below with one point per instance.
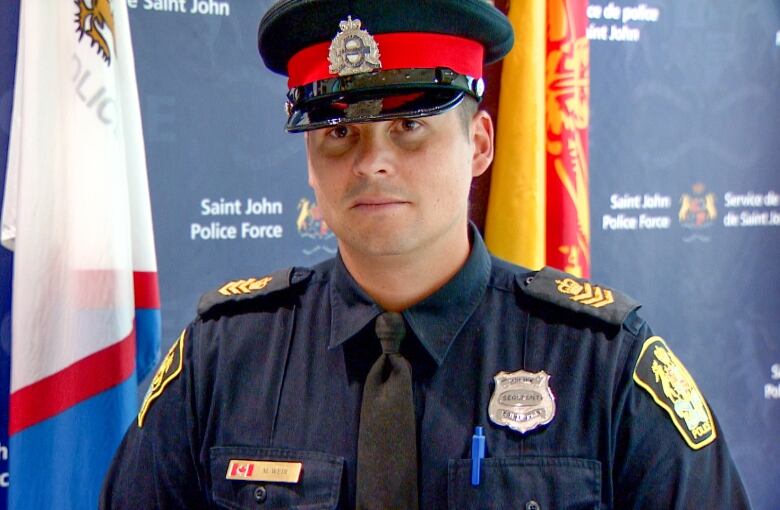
(697, 212)
(311, 225)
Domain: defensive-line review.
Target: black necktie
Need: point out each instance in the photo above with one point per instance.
(387, 441)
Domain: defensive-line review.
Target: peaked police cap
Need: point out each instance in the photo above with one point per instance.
(367, 60)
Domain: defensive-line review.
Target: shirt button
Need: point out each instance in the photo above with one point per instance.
(260, 494)
(532, 505)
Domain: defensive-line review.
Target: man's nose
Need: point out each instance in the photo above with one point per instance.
(375, 155)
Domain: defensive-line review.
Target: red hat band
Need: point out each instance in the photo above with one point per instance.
(407, 50)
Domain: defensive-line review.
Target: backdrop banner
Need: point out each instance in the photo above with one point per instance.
(685, 198)
(684, 181)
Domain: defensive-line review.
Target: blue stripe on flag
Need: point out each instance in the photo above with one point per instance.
(72, 450)
(147, 340)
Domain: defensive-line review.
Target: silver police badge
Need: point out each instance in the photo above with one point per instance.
(522, 400)
(353, 50)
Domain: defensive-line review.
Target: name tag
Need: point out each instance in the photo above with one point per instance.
(264, 471)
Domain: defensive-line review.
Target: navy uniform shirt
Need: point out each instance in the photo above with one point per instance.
(275, 373)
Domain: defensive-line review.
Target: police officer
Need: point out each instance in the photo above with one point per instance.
(413, 370)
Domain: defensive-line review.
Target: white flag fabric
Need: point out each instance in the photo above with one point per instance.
(76, 212)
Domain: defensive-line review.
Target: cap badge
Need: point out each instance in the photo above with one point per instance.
(353, 50)
(522, 400)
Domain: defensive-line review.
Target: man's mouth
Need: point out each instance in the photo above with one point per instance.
(377, 202)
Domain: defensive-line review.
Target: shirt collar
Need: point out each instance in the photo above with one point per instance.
(435, 321)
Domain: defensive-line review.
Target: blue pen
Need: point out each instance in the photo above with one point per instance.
(477, 454)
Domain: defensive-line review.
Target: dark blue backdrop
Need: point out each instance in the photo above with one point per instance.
(692, 110)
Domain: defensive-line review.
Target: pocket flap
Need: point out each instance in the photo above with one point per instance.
(527, 482)
(317, 486)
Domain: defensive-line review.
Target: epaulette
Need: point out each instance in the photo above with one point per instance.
(251, 288)
(581, 296)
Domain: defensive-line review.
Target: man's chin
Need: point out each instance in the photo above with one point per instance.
(377, 243)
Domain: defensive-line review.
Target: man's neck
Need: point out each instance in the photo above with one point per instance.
(397, 282)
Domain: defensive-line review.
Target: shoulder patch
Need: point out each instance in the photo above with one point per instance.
(666, 379)
(169, 369)
(241, 290)
(579, 295)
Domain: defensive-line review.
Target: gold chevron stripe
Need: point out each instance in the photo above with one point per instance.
(247, 286)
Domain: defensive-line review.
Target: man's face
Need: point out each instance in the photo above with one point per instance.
(401, 186)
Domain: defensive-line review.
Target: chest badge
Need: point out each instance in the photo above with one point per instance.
(522, 400)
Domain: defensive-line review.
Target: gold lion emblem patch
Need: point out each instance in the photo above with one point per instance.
(169, 369)
(666, 379)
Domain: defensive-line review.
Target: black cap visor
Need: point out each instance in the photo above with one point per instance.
(400, 93)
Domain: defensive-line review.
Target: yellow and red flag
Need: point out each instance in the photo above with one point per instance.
(538, 211)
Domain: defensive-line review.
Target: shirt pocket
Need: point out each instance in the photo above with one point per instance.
(317, 488)
(530, 483)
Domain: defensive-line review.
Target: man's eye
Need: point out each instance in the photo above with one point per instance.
(409, 124)
(338, 132)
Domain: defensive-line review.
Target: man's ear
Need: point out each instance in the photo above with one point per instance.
(481, 133)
